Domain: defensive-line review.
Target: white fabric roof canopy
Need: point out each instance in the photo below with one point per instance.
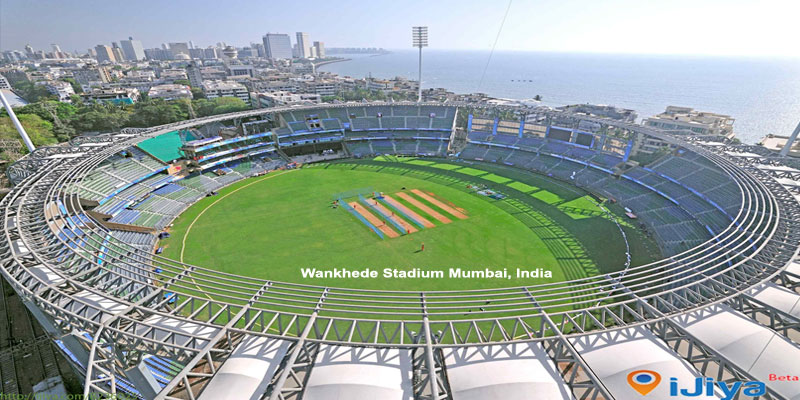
(248, 371)
(360, 373)
(510, 372)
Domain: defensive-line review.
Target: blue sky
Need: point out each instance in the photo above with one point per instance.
(707, 27)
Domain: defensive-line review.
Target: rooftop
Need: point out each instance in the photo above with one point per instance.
(170, 90)
(222, 85)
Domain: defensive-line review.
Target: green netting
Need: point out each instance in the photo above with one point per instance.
(166, 147)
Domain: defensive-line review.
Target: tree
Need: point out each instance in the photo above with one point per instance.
(203, 107)
(182, 82)
(50, 110)
(220, 105)
(156, 113)
(197, 93)
(33, 93)
(100, 117)
(39, 130)
(75, 86)
(224, 105)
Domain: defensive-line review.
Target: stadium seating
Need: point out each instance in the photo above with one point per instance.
(298, 126)
(676, 226)
(363, 123)
(681, 200)
(116, 174)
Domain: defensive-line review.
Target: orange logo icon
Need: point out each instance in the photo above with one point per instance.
(644, 381)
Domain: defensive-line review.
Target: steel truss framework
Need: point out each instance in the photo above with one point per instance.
(112, 336)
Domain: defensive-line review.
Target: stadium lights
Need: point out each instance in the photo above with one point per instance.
(420, 39)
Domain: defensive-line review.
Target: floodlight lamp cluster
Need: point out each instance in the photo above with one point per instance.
(420, 36)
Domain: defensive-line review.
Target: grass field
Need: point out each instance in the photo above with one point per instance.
(272, 226)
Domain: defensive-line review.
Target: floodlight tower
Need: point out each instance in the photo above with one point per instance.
(17, 124)
(420, 38)
(790, 141)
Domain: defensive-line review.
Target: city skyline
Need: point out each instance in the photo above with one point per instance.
(714, 27)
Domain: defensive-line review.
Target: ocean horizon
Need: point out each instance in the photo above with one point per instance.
(762, 94)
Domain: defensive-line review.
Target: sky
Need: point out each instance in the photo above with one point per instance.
(699, 27)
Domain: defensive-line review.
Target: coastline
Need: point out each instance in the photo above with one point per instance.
(647, 84)
(317, 65)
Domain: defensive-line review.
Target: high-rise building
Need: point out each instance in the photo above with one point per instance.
(118, 54)
(210, 53)
(13, 55)
(214, 89)
(196, 53)
(194, 75)
(277, 46)
(179, 48)
(303, 45)
(133, 49)
(245, 52)
(104, 53)
(259, 47)
(87, 76)
(157, 54)
(319, 49)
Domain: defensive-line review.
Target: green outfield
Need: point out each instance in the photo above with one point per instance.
(273, 226)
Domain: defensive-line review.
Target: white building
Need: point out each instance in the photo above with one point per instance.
(382, 85)
(282, 98)
(778, 142)
(104, 54)
(237, 70)
(319, 49)
(214, 89)
(170, 92)
(87, 77)
(210, 53)
(687, 121)
(303, 45)
(277, 46)
(322, 87)
(132, 49)
(179, 48)
(116, 96)
(683, 121)
(59, 88)
(173, 74)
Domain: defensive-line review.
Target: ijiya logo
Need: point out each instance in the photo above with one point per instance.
(644, 381)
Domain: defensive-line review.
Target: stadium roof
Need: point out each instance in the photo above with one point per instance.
(759, 351)
(166, 147)
(613, 355)
(511, 371)
(730, 315)
(248, 370)
(345, 373)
